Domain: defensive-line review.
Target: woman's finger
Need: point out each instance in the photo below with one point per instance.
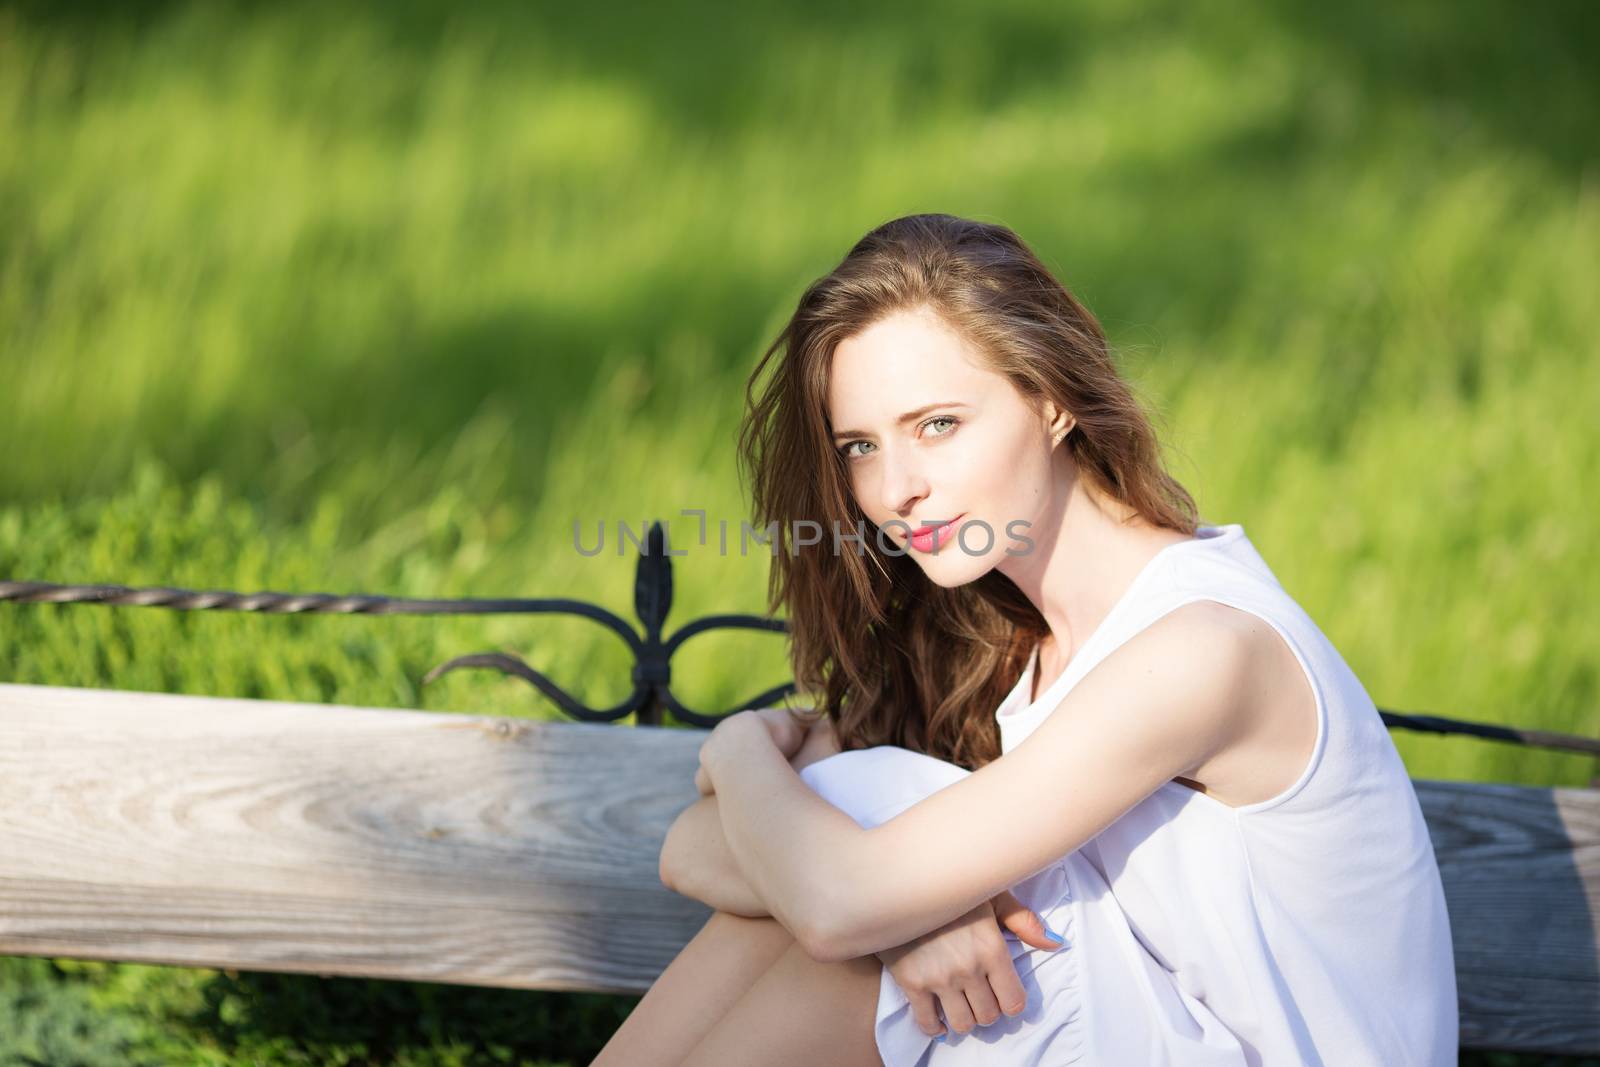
(1007, 988)
(1023, 921)
(981, 999)
(957, 1012)
(925, 1010)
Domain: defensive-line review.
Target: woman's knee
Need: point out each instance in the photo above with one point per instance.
(873, 784)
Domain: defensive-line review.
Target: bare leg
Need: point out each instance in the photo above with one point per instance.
(801, 1013)
(750, 970)
(712, 972)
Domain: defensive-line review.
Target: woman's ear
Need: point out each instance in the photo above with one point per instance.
(1061, 423)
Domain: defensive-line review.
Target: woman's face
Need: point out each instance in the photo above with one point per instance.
(928, 435)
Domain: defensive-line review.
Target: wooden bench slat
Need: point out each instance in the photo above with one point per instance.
(426, 846)
(337, 840)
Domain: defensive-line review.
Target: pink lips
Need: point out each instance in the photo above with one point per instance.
(928, 538)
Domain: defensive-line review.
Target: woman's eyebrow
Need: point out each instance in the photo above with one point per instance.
(907, 417)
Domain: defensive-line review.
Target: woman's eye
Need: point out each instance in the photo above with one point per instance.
(844, 450)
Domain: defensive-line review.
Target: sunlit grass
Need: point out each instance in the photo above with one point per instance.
(310, 298)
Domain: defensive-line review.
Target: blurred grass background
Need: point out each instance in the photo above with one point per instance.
(334, 298)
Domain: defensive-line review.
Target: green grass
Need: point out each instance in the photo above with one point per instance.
(320, 298)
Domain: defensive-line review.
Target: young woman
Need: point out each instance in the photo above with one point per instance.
(1049, 695)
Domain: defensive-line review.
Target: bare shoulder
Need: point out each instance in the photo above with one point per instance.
(1174, 689)
(1270, 706)
(1266, 656)
(1243, 638)
(1219, 643)
(1189, 675)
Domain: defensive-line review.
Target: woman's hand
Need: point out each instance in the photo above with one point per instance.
(788, 733)
(965, 968)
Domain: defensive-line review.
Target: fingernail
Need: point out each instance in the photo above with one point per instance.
(1051, 934)
(942, 1036)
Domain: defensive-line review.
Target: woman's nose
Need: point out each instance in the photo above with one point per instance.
(903, 484)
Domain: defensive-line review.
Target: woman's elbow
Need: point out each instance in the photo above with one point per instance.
(665, 872)
(827, 932)
(823, 946)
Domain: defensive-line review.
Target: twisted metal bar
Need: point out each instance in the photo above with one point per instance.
(652, 670)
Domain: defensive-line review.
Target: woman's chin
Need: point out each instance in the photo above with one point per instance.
(953, 572)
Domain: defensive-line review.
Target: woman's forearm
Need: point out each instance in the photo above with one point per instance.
(697, 862)
(798, 852)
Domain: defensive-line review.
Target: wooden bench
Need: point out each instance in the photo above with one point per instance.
(424, 846)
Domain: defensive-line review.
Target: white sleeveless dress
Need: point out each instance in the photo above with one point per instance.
(1309, 928)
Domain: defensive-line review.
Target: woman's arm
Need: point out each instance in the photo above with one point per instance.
(936, 970)
(696, 862)
(1159, 706)
(695, 858)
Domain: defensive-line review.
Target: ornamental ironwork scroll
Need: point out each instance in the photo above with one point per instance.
(652, 694)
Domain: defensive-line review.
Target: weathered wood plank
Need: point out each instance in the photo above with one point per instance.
(442, 847)
(1521, 873)
(339, 840)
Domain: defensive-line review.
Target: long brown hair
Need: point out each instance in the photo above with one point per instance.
(891, 657)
